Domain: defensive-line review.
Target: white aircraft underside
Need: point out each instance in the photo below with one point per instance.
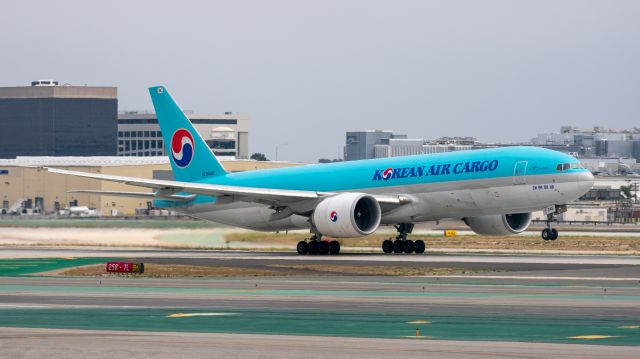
(429, 202)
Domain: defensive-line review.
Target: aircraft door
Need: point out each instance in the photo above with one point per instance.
(520, 172)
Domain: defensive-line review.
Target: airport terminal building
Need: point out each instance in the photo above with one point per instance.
(47, 119)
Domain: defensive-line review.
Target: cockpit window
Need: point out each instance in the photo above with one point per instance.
(567, 166)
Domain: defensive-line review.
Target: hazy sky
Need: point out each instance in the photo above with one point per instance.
(307, 71)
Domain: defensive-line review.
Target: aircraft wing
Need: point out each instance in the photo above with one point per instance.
(165, 189)
(146, 195)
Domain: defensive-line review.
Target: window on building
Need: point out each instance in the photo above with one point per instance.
(146, 153)
(153, 144)
(134, 134)
(146, 133)
(222, 144)
(127, 134)
(159, 142)
(133, 145)
(146, 145)
(158, 134)
(139, 133)
(120, 134)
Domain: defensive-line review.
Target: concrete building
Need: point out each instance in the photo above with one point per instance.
(361, 145)
(50, 191)
(47, 119)
(370, 144)
(227, 135)
(596, 142)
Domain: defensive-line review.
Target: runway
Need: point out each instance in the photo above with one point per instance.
(41, 343)
(511, 306)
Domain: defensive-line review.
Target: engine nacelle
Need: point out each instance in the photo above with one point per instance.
(499, 224)
(347, 215)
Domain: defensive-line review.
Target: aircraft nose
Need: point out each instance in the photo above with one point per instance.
(585, 181)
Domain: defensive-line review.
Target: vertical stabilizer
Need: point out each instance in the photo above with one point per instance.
(191, 159)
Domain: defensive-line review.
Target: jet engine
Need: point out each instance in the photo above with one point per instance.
(347, 215)
(499, 224)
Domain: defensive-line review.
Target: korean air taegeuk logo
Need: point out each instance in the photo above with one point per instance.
(182, 147)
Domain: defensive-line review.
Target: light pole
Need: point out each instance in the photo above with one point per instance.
(278, 146)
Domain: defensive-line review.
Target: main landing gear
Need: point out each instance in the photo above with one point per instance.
(402, 244)
(317, 246)
(549, 233)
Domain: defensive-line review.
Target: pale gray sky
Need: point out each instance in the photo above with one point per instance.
(307, 71)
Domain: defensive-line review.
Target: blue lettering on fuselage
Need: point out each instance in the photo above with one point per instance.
(438, 169)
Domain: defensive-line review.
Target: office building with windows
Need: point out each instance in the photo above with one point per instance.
(139, 134)
(48, 119)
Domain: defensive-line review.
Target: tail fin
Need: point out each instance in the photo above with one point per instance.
(190, 157)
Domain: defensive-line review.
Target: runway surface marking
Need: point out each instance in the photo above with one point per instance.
(26, 266)
(184, 315)
(520, 327)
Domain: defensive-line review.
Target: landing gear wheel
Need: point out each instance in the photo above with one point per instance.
(398, 246)
(419, 246)
(409, 246)
(313, 247)
(546, 234)
(334, 247)
(323, 247)
(554, 234)
(387, 246)
(303, 247)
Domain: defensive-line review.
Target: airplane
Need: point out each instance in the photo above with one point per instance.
(493, 190)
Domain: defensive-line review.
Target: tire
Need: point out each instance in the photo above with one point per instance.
(398, 246)
(387, 246)
(313, 247)
(420, 246)
(323, 247)
(554, 234)
(303, 247)
(546, 234)
(334, 247)
(409, 246)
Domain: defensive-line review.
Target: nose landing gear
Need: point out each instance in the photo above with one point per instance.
(402, 244)
(549, 233)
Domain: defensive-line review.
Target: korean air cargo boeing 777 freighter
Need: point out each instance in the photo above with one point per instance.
(493, 190)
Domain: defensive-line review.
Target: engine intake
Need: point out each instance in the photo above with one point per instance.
(347, 215)
(499, 224)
